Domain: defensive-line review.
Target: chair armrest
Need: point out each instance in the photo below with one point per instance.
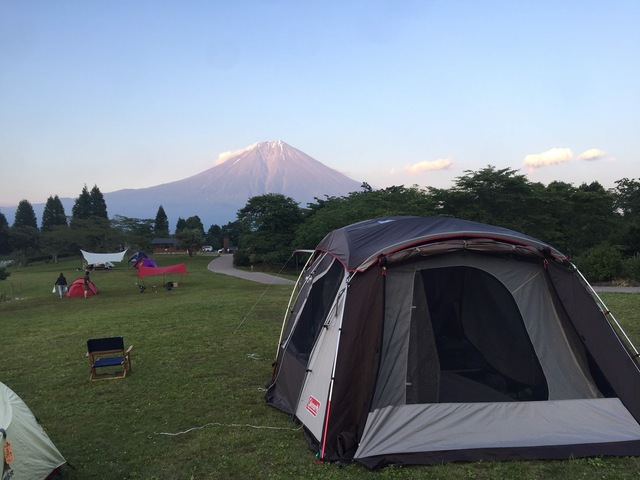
(129, 349)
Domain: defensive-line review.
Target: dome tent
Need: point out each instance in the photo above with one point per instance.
(417, 340)
(137, 256)
(145, 262)
(34, 454)
(76, 289)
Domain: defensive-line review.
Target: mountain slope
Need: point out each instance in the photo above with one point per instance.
(216, 194)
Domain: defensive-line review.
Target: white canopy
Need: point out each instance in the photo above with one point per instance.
(103, 257)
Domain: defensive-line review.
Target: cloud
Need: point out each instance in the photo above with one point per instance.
(429, 165)
(592, 154)
(550, 157)
(224, 156)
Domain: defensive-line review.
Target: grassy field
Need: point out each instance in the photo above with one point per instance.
(193, 406)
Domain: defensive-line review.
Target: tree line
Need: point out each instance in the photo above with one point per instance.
(598, 228)
(87, 228)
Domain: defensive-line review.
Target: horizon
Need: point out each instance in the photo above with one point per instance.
(225, 156)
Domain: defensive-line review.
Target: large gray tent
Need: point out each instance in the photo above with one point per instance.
(422, 340)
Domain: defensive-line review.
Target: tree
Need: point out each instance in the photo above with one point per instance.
(627, 197)
(190, 239)
(335, 212)
(134, 231)
(24, 231)
(161, 224)
(53, 214)
(496, 197)
(232, 232)
(269, 223)
(593, 219)
(89, 205)
(627, 202)
(214, 237)
(89, 214)
(98, 205)
(25, 216)
(82, 207)
(190, 233)
(601, 263)
(96, 234)
(181, 224)
(194, 223)
(58, 239)
(270, 212)
(5, 239)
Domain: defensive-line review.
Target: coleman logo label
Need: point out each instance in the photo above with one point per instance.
(313, 406)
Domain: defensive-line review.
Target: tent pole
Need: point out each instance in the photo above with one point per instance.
(608, 313)
(287, 312)
(342, 296)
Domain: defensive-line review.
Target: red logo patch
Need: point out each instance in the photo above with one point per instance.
(313, 406)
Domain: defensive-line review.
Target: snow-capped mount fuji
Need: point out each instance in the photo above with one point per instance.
(216, 194)
(270, 167)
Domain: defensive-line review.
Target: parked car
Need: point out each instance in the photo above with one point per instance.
(207, 248)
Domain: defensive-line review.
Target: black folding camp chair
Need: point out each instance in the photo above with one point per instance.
(108, 355)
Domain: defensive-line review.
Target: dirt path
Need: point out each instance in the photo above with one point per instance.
(224, 264)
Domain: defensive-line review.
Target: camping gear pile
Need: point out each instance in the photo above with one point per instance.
(417, 340)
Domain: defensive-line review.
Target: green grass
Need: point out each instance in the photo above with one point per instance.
(202, 354)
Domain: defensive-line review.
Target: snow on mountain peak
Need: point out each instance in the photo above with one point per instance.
(258, 146)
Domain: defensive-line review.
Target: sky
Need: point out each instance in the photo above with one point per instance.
(132, 94)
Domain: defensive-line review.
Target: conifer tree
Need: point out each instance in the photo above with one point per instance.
(161, 225)
(25, 216)
(53, 214)
(82, 207)
(5, 245)
(98, 205)
(181, 224)
(24, 232)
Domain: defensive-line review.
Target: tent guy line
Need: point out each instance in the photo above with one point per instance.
(230, 425)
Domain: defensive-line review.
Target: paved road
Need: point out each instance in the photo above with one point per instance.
(617, 289)
(224, 264)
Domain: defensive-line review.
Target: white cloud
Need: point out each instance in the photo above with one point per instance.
(429, 165)
(224, 156)
(553, 156)
(592, 154)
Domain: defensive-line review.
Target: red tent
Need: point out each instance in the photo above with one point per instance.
(76, 289)
(180, 268)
